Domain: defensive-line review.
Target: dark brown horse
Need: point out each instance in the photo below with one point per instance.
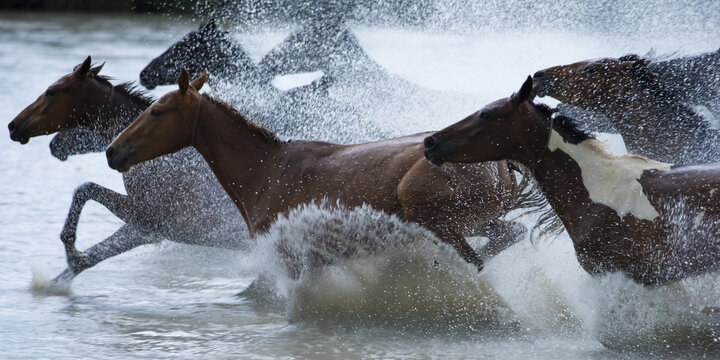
(654, 111)
(653, 221)
(174, 197)
(266, 177)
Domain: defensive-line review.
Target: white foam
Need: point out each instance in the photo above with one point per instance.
(360, 266)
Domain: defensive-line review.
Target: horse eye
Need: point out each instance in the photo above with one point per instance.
(482, 116)
(155, 112)
(50, 93)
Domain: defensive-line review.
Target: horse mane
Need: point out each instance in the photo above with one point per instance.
(566, 126)
(129, 88)
(253, 126)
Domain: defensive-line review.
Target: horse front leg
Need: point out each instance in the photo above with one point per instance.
(128, 237)
(118, 204)
(501, 235)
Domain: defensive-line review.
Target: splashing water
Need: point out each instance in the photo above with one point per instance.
(364, 267)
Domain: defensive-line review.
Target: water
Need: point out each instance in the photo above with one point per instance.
(401, 297)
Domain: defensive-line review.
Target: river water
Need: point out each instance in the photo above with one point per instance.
(411, 299)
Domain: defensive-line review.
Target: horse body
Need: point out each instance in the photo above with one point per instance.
(648, 105)
(175, 197)
(653, 221)
(266, 177)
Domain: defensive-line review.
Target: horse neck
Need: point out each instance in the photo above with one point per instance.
(234, 62)
(116, 110)
(239, 156)
(560, 179)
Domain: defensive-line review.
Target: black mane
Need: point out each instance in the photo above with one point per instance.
(566, 126)
(128, 88)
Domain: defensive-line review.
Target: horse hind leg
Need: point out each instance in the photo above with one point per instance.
(124, 239)
(120, 205)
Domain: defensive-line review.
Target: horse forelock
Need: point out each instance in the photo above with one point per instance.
(253, 126)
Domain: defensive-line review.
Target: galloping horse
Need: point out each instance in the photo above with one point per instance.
(651, 109)
(361, 90)
(655, 222)
(300, 112)
(174, 197)
(266, 177)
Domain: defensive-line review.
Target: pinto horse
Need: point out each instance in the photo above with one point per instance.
(654, 221)
(266, 177)
(175, 197)
(647, 102)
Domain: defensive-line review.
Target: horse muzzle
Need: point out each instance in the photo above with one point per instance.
(118, 158)
(149, 79)
(431, 150)
(18, 132)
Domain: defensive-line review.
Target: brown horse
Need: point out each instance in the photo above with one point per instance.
(266, 177)
(653, 221)
(175, 197)
(652, 113)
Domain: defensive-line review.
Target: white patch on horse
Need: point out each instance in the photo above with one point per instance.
(698, 219)
(611, 180)
(707, 115)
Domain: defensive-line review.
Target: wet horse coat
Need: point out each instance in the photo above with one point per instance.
(653, 221)
(652, 104)
(302, 112)
(88, 112)
(266, 177)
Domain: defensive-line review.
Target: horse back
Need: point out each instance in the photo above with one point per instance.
(699, 184)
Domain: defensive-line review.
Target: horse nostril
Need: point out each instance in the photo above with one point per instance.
(109, 152)
(430, 143)
(11, 126)
(539, 74)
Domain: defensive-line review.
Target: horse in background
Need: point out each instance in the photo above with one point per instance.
(305, 111)
(653, 221)
(273, 176)
(648, 103)
(174, 197)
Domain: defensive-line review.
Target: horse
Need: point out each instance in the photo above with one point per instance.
(360, 89)
(653, 221)
(267, 177)
(648, 103)
(174, 197)
(299, 112)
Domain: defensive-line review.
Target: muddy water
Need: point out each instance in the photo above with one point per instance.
(402, 297)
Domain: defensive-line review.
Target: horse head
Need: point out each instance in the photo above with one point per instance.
(508, 128)
(167, 126)
(205, 48)
(63, 105)
(594, 83)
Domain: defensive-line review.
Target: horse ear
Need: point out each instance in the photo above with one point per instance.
(199, 81)
(183, 81)
(80, 71)
(524, 93)
(94, 71)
